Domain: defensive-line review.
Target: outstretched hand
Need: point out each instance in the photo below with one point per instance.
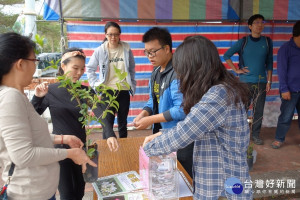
(112, 144)
(143, 123)
(80, 158)
(150, 138)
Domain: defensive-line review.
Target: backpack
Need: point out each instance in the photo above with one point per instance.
(244, 43)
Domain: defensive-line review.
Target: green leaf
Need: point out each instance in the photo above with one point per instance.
(110, 111)
(90, 152)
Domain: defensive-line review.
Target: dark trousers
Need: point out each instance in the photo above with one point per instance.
(123, 99)
(71, 183)
(258, 98)
(185, 157)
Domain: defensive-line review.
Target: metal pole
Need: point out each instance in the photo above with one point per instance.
(62, 36)
(30, 18)
(241, 10)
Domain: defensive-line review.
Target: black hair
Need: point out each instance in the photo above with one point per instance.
(111, 24)
(66, 61)
(199, 67)
(296, 29)
(160, 34)
(13, 47)
(254, 17)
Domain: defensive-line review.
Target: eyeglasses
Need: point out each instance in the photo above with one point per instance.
(152, 53)
(258, 22)
(33, 59)
(113, 34)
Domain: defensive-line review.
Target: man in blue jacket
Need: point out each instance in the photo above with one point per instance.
(288, 69)
(255, 59)
(163, 109)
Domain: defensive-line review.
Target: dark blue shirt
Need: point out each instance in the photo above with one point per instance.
(288, 67)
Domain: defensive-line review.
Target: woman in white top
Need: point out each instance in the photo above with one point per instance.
(111, 54)
(24, 135)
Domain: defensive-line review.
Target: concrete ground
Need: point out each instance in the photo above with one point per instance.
(280, 166)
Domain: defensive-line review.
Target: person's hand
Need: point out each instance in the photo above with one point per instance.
(112, 144)
(136, 120)
(80, 158)
(244, 70)
(41, 90)
(143, 123)
(286, 95)
(150, 138)
(72, 141)
(268, 87)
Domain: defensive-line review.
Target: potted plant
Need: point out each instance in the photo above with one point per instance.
(250, 156)
(88, 101)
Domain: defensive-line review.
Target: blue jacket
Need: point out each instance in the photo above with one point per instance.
(288, 67)
(170, 98)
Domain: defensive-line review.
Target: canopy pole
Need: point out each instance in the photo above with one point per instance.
(62, 36)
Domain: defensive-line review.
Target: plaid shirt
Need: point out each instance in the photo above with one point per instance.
(221, 134)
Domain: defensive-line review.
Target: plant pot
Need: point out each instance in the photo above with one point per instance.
(250, 163)
(91, 173)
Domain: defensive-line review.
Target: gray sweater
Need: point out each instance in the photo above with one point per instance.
(25, 140)
(100, 58)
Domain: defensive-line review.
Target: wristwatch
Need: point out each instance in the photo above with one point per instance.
(269, 81)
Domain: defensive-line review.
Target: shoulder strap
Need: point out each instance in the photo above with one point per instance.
(245, 40)
(11, 169)
(244, 43)
(267, 42)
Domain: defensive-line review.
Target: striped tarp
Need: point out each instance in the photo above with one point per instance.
(173, 9)
(89, 35)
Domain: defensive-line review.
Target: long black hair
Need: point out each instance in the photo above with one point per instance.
(13, 47)
(198, 67)
(66, 61)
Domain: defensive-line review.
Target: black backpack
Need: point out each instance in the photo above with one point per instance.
(244, 43)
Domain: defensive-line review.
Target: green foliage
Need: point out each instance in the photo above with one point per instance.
(39, 40)
(53, 64)
(250, 150)
(51, 32)
(11, 2)
(92, 101)
(7, 22)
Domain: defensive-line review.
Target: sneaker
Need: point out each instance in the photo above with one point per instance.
(276, 144)
(257, 140)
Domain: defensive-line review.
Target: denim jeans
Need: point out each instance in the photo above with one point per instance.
(258, 98)
(287, 110)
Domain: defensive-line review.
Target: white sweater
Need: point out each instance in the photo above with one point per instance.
(25, 140)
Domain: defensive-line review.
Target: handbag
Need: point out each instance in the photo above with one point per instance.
(3, 190)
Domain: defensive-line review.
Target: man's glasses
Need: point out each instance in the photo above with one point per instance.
(115, 34)
(257, 22)
(152, 53)
(33, 59)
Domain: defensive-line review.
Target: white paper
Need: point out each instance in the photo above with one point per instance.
(184, 190)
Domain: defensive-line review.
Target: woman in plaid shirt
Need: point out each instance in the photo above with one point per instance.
(214, 101)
